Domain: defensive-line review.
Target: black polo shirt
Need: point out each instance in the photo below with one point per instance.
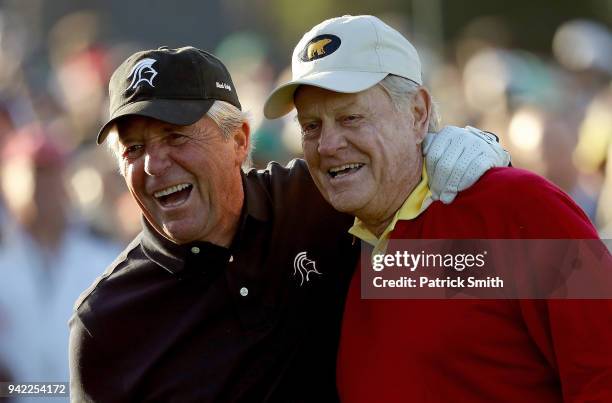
(258, 322)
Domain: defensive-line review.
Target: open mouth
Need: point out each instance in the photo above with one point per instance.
(174, 195)
(344, 169)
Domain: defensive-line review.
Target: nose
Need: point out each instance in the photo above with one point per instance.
(331, 140)
(157, 160)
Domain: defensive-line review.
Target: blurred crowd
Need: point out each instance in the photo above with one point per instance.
(65, 212)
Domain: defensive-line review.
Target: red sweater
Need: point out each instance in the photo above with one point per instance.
(481, 350)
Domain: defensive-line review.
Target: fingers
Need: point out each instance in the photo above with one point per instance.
(427, 141)
(464, 177)
(448, 196)
(434, 147)
(478, 167)
(439, 182)
(472, 151)
(497, 154)
(455, 158)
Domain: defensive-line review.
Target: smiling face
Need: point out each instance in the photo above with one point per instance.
(186, 179)
(363, 154)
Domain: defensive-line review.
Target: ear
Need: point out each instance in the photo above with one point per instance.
(421, 110)
(242, 138)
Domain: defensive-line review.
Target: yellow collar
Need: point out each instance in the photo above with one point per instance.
(415, 204)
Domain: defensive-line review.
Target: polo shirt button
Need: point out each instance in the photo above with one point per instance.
(244, 291)
(195, 250)
(231, 259)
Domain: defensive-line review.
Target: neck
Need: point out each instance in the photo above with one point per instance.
(379, 218)
(377, 224)
(228, 227)
(378, 228)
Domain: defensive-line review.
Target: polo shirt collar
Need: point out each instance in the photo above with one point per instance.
(257, 201)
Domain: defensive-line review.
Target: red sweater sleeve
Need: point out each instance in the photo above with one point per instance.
(575, 336)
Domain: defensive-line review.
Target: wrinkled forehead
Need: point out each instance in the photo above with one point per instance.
(314, 100)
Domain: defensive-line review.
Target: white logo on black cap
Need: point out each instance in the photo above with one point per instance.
(304, 266)
(143, 72)
(223, 85)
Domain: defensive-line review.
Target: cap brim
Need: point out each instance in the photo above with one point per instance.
(175, 111)
(280, 101)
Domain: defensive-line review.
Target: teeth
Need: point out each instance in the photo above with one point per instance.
(343, 167)
(171, 189)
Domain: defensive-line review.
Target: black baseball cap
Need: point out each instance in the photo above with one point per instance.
(177, 86)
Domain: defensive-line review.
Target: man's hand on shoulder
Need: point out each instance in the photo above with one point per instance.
(456, 158)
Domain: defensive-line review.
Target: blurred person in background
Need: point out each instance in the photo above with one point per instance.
(233, 291)
(559, 139)
(81, 67)
(47, 258)
(593, 153)
(6, 129)
(364, 113)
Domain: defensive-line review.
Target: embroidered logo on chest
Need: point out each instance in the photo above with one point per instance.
(304, 266)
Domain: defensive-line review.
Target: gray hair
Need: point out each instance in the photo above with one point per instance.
(225, 115)
(229, 119)
(401, 90)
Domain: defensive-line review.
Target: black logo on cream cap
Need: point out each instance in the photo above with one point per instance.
(320, 46)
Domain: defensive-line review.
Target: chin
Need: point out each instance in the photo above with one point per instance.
(346, 206)
(179, 235)
(181, 240)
